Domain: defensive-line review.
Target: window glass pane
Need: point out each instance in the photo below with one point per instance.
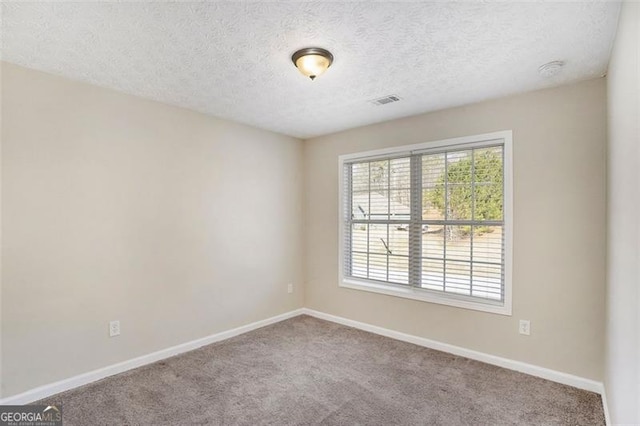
(379, 175)
(400, 204)
(360, 205)
(433, 242)
(360, 177)
(398, 240)
(458, 242)
(433, 187)
(433, 274)
(379, 205)
(487, 262)
(359, 265)
(378, 267)
(378, 239)
(458, 183)
(487, 244)
(399, 269)
(359, 237)
(400, 173)
(488, 181)
(487, 281)
(457, 278)
(379, 184)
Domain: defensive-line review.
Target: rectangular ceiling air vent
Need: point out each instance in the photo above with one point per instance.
(386, 100)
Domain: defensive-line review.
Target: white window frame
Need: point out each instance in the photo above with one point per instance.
(416, 293)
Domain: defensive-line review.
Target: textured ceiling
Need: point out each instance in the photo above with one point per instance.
(232, 59)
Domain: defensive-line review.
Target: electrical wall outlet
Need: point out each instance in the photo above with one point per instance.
(525, 327)
(114, 328)
(290, 288)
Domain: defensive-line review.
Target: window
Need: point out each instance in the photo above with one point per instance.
(430, 222)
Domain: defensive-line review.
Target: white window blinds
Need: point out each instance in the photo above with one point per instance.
(431, 219)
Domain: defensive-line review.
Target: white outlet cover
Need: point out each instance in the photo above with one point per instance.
(114, 328)
(525, 327)
(290, 288)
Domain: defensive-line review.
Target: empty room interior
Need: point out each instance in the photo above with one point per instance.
(320, 212)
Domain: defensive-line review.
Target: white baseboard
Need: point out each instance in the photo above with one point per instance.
(92, 376)
(533, 370)
(605, 406)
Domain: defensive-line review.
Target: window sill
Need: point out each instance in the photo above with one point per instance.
(426, 296)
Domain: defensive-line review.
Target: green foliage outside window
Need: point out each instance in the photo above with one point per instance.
(488, 183)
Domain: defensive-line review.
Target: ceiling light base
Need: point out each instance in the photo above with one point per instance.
(312, 61)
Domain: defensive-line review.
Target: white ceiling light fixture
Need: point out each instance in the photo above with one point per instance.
(312, 61)
(551, 68)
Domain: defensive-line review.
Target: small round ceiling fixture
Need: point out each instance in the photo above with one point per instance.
(551, 68)
(312, 61)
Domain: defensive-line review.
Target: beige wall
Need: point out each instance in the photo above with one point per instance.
(622, 378)
(559, 140)
(113, 207)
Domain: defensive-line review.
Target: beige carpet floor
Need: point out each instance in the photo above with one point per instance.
(306, 371)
